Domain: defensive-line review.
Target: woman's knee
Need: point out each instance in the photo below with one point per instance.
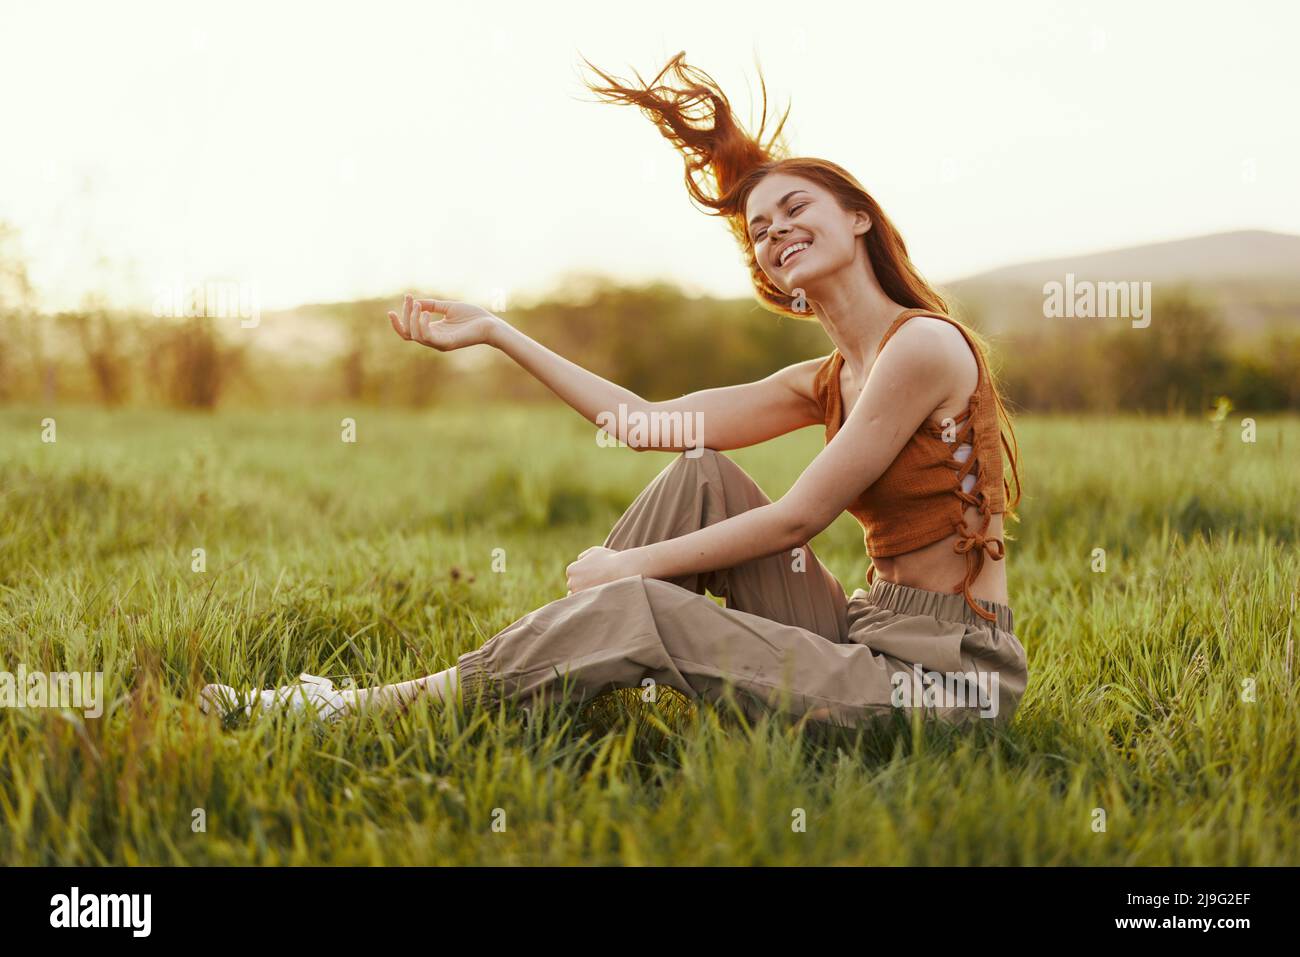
(708, 465)
(695, 458)
(709, 481)
(691, 469)
(733, 484)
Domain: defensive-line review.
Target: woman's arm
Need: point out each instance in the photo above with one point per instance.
(723, 418)
(911, 378)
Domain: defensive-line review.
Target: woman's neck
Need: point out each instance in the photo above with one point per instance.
(855, 312)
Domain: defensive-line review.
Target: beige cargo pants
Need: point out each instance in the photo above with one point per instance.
(788, 638)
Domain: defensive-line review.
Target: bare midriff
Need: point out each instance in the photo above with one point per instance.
(934, 567)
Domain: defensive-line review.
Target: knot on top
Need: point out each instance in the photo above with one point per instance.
(991, 546)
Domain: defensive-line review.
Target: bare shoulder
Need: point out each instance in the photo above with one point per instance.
(937, 347)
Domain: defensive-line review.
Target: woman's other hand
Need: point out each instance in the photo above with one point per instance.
(596, 566)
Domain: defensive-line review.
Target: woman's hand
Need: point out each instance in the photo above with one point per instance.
(461, 324)
(596, 566)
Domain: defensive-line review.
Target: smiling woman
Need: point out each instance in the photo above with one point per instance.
(915, 440)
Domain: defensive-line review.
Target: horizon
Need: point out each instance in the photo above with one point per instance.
(552, 294)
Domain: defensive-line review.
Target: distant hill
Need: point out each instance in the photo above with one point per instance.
(1246, 254)
(1253, 277)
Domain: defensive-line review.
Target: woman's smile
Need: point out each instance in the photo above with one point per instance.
(793, 250)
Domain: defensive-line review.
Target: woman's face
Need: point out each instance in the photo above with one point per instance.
(799, 232)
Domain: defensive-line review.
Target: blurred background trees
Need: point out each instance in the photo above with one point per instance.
(653, 338)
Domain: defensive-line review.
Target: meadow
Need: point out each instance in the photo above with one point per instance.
(1161, 703)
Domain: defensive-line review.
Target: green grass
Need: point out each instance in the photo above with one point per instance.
(374, 560)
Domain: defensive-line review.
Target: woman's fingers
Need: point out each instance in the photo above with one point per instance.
(413, 321)
(406, 317)
(415, 324)
(440, 306)
(426, 334)
(400, 323)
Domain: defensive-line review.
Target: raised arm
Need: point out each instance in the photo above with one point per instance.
(729, 417)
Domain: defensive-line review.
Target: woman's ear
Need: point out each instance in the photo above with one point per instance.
(861, 223)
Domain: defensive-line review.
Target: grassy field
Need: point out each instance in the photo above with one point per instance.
(1162, 690)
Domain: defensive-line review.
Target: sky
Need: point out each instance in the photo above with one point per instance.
(325, 152)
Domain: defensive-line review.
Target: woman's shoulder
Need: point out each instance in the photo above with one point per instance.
(939, 337)
(928, 328)
(937, 348)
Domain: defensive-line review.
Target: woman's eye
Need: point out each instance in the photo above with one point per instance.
(796, 207)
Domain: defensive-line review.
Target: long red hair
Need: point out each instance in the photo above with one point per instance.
(723, 165)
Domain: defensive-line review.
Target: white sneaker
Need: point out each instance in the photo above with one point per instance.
(310, 693)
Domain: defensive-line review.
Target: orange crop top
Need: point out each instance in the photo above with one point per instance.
(919, 498)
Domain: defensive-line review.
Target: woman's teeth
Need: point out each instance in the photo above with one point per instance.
(791, 250)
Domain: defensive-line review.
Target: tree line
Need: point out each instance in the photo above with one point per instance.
(652, 339)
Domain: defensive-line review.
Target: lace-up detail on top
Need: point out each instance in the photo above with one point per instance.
(922, 497)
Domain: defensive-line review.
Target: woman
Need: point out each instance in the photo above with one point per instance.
(915, 436)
